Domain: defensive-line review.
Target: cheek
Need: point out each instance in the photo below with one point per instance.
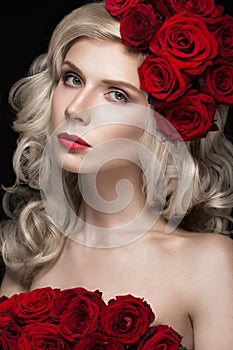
(58, 109)
(131, 132)
(116, 147)
(127, 132)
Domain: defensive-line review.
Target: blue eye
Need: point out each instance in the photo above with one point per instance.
(71, 79)
(118, 96)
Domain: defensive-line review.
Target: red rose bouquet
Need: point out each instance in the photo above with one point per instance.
(79, 319)
(188, 46)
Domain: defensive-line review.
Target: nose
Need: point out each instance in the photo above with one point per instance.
(80, 106)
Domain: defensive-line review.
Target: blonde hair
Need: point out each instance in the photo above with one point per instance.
(29, 238)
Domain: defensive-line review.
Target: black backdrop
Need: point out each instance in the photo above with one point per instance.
(25, 30)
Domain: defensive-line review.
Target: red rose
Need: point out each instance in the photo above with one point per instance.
(33, 306)
(162, 79)
(8, 341)
(6, 311)
(3, 298)
(126, 318)
(81, 316)
(219, 81)
(138, 26)
(186, 42)
(206, 9)
(60, 304)
(224, 34)
(41, 336)
(65, 297)
(191, 116)
(98, 341)
(118, 8)
(164, 8)
(161, 337)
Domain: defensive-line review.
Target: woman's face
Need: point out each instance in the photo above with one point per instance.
(98, 106)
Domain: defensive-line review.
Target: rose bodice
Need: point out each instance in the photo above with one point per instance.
(77, 319)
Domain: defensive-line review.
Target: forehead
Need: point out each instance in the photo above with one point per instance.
(105, 59)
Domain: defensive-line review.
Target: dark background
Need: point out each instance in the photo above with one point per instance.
(25, 31)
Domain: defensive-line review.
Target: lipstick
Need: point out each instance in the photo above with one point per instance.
(72, 142)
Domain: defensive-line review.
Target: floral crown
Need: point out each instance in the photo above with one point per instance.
(188, 69)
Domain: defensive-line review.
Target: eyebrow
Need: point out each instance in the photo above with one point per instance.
(120, 83)
(106, 81)
(73, 66)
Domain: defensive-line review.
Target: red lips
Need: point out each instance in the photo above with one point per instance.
(72, 142)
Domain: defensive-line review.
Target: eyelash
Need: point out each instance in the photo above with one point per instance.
(66, 76)
(123, 94)
(71, 75)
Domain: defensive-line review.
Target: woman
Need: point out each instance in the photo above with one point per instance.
(100, 163)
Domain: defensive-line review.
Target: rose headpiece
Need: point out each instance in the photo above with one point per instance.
(188, 69)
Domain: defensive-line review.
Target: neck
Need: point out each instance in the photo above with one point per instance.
(112, 198)
(113, 210)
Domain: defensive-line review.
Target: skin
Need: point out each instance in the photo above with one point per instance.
(185, 277)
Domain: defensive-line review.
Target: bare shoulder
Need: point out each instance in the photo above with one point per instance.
(209, 260)
(10, 285)
(195, 246)
(212, 255)
(212, 249)
(216, 241)
(212, 288)
(205, 248)
(204, 258)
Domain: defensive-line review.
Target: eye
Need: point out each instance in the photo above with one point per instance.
(118, 96)
(71, 79)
